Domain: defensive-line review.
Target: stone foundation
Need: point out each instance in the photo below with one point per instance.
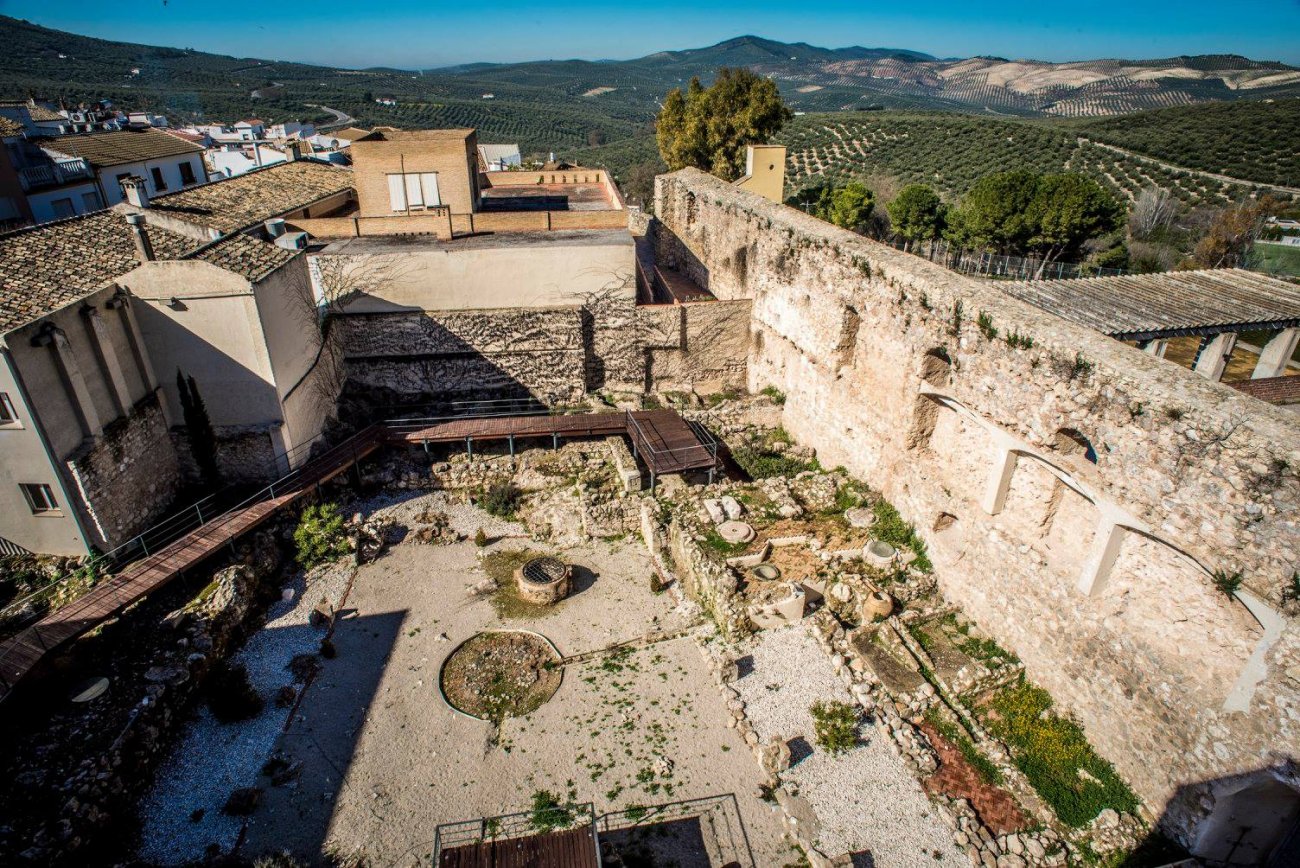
(129, 476)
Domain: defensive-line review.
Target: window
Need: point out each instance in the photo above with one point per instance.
(158, 183)
(187, 174)
(39, 497)
(7, 414)
(63, 208)
(90, 201)
(413, 191)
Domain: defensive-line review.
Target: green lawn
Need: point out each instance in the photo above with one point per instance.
(1276, 259)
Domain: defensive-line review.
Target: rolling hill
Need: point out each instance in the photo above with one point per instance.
(564, 105)
(950, 151)
(865, 111)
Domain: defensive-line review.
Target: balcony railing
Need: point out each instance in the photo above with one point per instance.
(54, 173)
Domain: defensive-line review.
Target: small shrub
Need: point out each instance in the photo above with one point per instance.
(835, 726)
(320, 536)
(954, 328)
(501, 500)
(1080, 367)
(1291, 593)
(985, 323)
(548, 814)
(480, 538)
(1174, 413)
(1017, 341)
(1227, 583)
(777, 396)
(656, 584)
(231, 696)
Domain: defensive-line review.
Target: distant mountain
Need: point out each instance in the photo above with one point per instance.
(564, 105)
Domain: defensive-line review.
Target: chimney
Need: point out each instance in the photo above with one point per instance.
(143, 246)
(294, 151)
(135, 191)
(275, 227)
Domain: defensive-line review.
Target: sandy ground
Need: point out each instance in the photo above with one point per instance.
(385, 760)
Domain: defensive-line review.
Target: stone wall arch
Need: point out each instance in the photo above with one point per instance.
(1255, 821)
(1165, 602)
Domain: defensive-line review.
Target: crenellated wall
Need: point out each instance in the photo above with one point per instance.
(1077, 494)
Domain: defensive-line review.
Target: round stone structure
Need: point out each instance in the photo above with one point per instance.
(544, 581)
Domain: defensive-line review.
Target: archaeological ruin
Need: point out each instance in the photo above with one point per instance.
(728, 535)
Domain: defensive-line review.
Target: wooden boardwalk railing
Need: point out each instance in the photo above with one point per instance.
(665, 441)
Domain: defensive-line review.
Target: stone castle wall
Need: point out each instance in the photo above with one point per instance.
(540, 351)
(129, 476)
(1077, 494)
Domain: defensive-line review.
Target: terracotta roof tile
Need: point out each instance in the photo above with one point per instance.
(49, 266)
(10, 127)
(120, 147)
(242, 201)
(243, 254)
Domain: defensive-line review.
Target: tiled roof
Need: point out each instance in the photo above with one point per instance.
(121, 146)
(241, 201)
(1275, 390)
(47, 267)
(10, 127)
(41, 113)
(242, 254)
(349, 133)
(1145, 306)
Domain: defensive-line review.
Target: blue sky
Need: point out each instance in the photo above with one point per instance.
(426, 33)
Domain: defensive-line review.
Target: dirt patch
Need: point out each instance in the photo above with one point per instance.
(501, 674)
(957, 778)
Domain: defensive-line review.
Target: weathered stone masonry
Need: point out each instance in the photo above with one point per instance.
(1077, 494)
(128, 475)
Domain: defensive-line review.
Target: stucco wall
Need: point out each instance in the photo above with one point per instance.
(517, 271)
(213, 334)
(26, 461)
(1151, 660)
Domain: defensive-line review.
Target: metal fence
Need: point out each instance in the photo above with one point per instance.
(506, 827)
(679, 830)
(1000, 266)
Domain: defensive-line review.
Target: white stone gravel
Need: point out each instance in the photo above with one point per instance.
(866, 800)
(212, 759)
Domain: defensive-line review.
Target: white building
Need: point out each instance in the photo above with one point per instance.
(79, 174)
(498, 158)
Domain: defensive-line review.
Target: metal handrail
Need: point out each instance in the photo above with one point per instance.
(504, 827)
(647, 446)
(167, 533)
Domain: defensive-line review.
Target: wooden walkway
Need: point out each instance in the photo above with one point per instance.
(661, 438)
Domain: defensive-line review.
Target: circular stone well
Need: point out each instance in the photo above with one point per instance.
(766, 572)
(544, 581)
(500, 674)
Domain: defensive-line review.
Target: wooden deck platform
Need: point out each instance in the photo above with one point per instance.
(662, 439)
(575, 848)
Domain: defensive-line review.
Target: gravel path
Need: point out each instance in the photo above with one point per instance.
(866, 801)
(212, 759)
